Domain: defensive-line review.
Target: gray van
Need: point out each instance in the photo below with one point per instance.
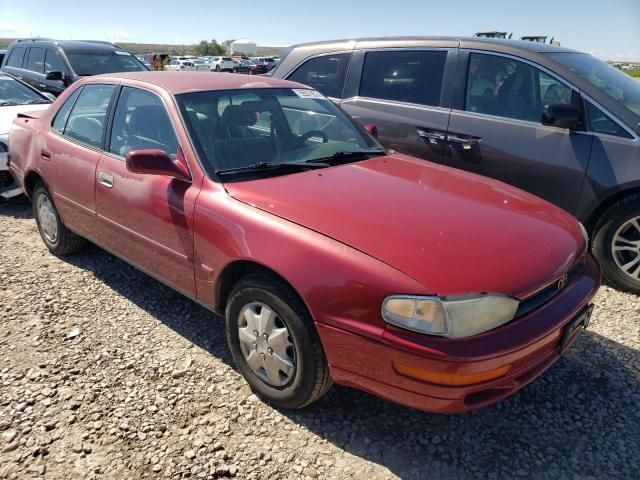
(555, 122)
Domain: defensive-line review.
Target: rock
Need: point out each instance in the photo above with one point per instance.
(9, 436)
(190, 454)
(74, 332)
(10, 447)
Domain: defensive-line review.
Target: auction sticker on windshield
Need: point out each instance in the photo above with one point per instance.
(307, 93)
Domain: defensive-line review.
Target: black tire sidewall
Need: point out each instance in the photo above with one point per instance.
(602, 242)
(297, 392)
(39, 190)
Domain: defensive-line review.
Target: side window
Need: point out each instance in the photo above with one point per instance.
(600, 122)
(141, 122)
(509, 88)
(35, 61)
(60, 120)
(413, 76)
(326, 73)
(16, 57)
(88, 116)
(53, 62)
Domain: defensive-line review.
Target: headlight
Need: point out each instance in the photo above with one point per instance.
(453, 317)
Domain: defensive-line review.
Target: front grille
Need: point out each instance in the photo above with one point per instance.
(6, 180)
(550, 291)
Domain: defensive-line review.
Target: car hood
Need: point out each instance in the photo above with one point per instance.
(8, 114)
(452, 231)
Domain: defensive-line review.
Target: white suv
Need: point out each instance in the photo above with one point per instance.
(223, 64)
(180, 66)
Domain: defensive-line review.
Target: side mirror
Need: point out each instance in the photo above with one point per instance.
(371, 129)
(54, 75)
(157, 162)
(561, 115)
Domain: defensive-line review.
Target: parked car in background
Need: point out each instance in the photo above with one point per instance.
(222, 64)
(232, 192)
(15, 97)
(180, 66)
(52, 65)
(245, 66)
(270, 62)
(258, 67)
(201, 65)
(555, 122)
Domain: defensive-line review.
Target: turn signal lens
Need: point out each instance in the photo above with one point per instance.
(450, 379)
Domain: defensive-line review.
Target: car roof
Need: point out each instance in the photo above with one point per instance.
(84, 44)
(182, 82)
(469, 42)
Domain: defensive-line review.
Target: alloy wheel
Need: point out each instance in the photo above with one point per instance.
(625, 248)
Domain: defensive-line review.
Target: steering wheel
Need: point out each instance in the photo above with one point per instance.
(312, 133)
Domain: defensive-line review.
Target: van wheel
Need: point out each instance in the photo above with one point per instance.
(616, 244)
(274, 342)
(217, 68)
(58, 238)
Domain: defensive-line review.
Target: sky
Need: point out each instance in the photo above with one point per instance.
(609, 29)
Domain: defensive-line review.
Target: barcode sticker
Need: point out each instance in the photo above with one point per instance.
(308, 93)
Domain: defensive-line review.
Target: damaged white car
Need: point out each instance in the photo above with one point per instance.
(15, 97)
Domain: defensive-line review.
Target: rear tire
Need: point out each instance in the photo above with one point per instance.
(619, 227)
(58, 238)
(291, 388)
(218, 68)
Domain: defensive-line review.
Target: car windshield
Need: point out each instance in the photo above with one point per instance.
(95, 62)
(241, 129)
(13, 92)
(610, 80)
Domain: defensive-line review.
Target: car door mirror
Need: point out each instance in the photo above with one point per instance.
(157, 162)
(371, 130)
(54, 75)
(561, 115)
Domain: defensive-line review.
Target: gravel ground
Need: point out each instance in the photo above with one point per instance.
(106, 373)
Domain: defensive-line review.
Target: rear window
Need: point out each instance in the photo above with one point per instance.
(94, 62)
(16, 57)
(413, 76)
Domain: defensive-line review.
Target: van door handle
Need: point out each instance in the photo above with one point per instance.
(433, 137)
(46, 154)
(42, 85)
(105, 179)
(463, 141)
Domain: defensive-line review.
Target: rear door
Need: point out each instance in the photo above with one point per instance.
(495, 129)
(147, 219)
(70, 153)
(403, 92)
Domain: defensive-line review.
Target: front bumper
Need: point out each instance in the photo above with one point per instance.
(529, 345)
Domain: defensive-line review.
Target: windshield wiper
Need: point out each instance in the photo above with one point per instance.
(8, 104)
(35, 102)
(267, 166)
(341, 156)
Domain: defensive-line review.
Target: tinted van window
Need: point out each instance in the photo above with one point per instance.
(16, 57)
(35, 61)
(326, 73)
(88, 116)
(509, 88)
(141, 122)
(53, 62)
(413, 76)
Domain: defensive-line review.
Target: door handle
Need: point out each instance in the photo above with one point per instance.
(463, 141)
(46, 154)
(42, 85)
(105, 179)
(434, 137)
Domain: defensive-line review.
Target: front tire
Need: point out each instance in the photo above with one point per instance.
(58, 238)
(274, 342)
(616, 244)
(218, 68)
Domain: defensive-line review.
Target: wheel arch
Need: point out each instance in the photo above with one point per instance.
(30, 180)
(236, 270)
(595, 215)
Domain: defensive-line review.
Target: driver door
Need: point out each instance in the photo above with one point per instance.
(146, 219)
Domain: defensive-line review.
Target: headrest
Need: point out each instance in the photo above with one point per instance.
(238, 116)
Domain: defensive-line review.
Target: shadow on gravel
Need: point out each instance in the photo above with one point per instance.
(579, 420)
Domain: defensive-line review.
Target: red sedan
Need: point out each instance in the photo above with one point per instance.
(331, 258)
